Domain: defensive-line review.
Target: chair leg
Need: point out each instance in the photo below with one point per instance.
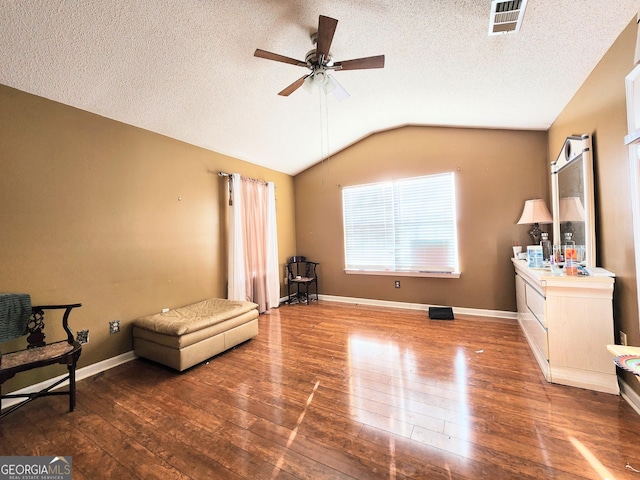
(72, 385)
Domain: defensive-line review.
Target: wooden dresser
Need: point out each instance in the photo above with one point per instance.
(568, 322)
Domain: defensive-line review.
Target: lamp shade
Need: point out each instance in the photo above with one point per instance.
(571, 209)
(535, 211)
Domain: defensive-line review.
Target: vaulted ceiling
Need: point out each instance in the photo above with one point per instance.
(185, 68)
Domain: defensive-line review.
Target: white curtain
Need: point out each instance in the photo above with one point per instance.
(235, 242)
(273, 268)
(253, 243)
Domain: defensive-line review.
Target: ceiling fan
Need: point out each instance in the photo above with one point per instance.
(320, 61)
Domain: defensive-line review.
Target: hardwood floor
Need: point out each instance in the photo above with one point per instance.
(339, 391)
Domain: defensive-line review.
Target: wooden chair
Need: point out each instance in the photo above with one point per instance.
(39, 354)
(301, 272)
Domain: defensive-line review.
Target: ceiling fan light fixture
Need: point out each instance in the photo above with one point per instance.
(328, 86)
(320, 77)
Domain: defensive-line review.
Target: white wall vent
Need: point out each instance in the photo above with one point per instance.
(506, 16)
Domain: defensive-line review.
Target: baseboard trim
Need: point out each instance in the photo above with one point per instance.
(420, 306)
(81, 373)
(630, 395)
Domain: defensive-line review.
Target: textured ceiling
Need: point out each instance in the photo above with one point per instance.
(185, 68)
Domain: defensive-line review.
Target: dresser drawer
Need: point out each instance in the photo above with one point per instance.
(536, 334)
(535, 303)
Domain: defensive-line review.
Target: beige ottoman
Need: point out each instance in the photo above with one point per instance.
(188, 335)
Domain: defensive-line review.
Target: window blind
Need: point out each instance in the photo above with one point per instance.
(407, 225)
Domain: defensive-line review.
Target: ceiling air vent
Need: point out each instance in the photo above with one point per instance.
(506, 16)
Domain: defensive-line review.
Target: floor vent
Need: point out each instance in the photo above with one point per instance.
(506, 16)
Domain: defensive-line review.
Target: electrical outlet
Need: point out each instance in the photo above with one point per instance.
(623, 338)
(114, 327)
(83, 336)
(397, 283)
(165, 310)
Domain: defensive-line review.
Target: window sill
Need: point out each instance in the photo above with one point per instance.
(405, 274)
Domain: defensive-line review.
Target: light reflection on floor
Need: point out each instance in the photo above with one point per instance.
(597, 466)
(399, 412)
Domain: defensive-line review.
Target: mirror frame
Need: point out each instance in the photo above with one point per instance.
(576, 147)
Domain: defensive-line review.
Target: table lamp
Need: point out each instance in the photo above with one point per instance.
(534, 213)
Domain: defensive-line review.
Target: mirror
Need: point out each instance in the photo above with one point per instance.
(573, 198)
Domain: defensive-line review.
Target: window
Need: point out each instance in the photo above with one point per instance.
(401, 226)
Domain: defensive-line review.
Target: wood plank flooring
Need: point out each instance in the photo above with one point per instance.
(334, 391)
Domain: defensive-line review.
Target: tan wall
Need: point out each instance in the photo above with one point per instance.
(599, 108)
(496, 171)
(117, 218)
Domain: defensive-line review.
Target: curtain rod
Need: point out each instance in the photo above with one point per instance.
(225, 174)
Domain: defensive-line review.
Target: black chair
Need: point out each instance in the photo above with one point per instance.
(301, 273)
(39, 354)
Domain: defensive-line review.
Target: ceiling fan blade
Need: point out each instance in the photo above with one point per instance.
(326, 29)
(338, 91)
(293, 87)
(360, 63)
(278, 58)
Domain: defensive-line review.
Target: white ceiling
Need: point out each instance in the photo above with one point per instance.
(185, 68)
